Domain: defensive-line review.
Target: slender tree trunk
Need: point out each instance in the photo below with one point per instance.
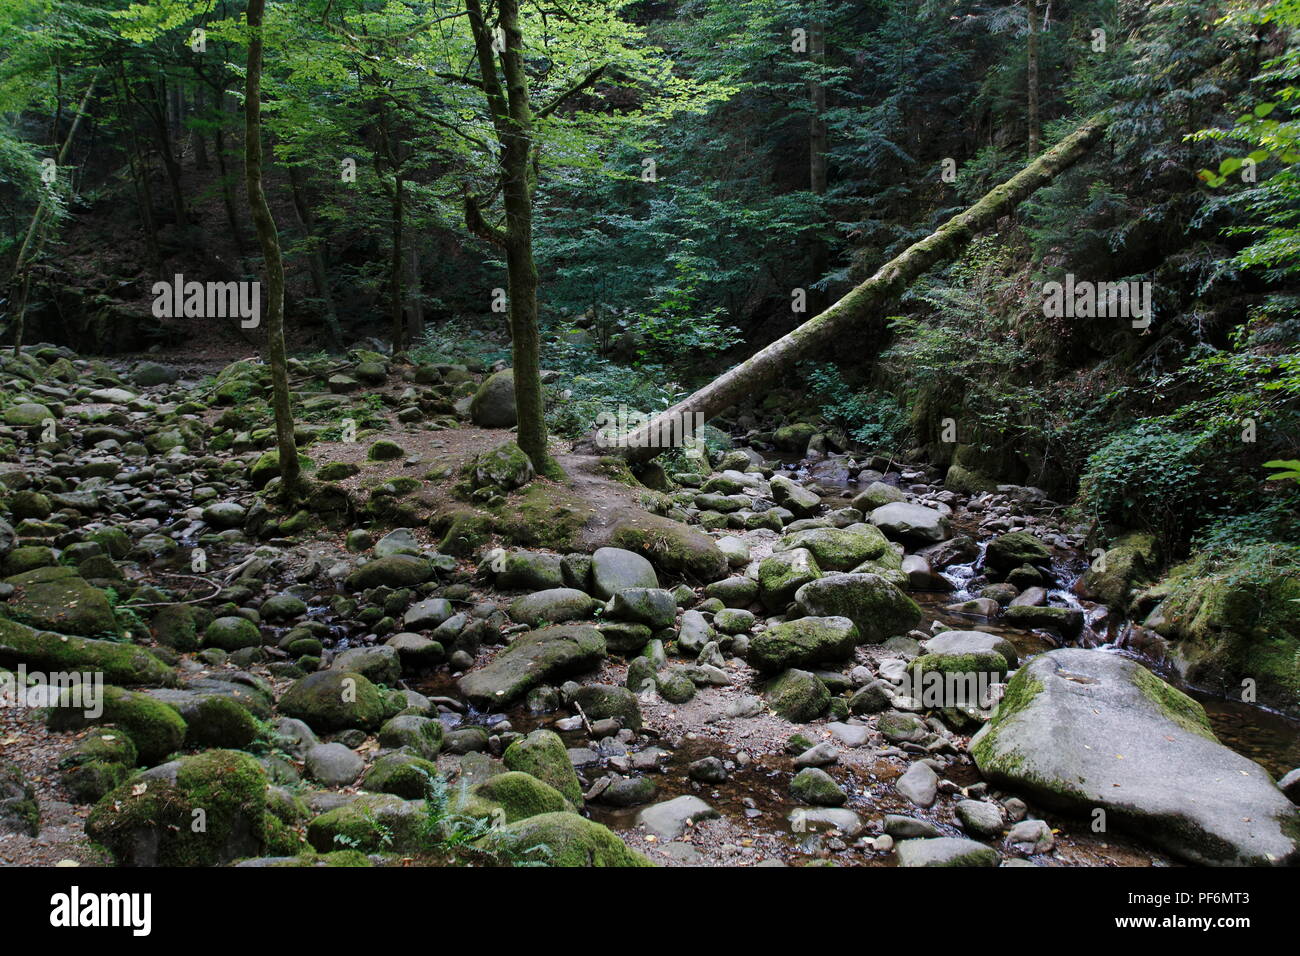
(31, 246)
(163, 134)
(512, 118)
(1031, 7)
(868, 299)
(315, 260)
(270, 242)
(397, 314)
(817, 151)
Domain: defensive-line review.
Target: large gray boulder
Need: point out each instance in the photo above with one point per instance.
(1081, 730)
(616, 569)
(802, 642)
(972, 642)
(909, 522)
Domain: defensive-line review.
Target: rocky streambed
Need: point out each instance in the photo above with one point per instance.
(437, 657)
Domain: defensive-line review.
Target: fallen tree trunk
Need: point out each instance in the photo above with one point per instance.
(763, 368)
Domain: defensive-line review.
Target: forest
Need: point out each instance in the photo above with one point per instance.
(729, 433)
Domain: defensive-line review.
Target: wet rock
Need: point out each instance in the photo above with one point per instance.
(1067, 621)
(707, 770)
(821, 755)
(396, 571)
(794, 496)
(653, 607)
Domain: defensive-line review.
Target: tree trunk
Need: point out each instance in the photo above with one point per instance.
(512, 118)
(817, 154)
(270, 242)
(1031, 8)
(396, 298)
(866, 300)
(31, 245)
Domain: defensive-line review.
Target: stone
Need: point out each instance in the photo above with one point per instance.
(798, 696)
(782, 574)
(119, 663)
(802, 642)
(337, 700)
(58, 599)
(493, 405)
(1070, 715)
(1009, 551)
(879, 609)
(423, 736)
(909, 522)
(616, 569)
(563, 840)
(543, 755)
(668, 820)
(527, 571)
(333, 765)
(980, 818)
(841, 549)
(972, 642)
(552, 606)
(395, 571)
(534, 658)
(945, 851)
(653, 607)
(817, 787)
(232, 633)
(919, 784)
(427, 614)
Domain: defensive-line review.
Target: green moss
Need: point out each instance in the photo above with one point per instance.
(544, 515)
(118, 663)
(561, 839)
(542, 755)
(1020, 692)
(156, 729)
(511, 796)
(1174, 704)
(228, 787)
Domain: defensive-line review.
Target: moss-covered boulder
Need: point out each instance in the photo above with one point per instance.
(402, 774)
(232, 633)
(560, 839)
(423, 736)
(98, 763)
(177, 626)
(493, 405)
(155, 729)
(878, 608)
(1130, 559)
(1232, 622)
(1066, 621)
(372, 823)
(59, 599)
(801, 642)
(509, 797)
(1078, 730)
(1009, 551)
(671, 546)
(504, 468)
(536, 657)
(798, 696)
(605, 701)
(839, 549)
(337, 700)
(117, 663)
(782, 574)
(394, 571)
(203, 810)
(543, 755)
